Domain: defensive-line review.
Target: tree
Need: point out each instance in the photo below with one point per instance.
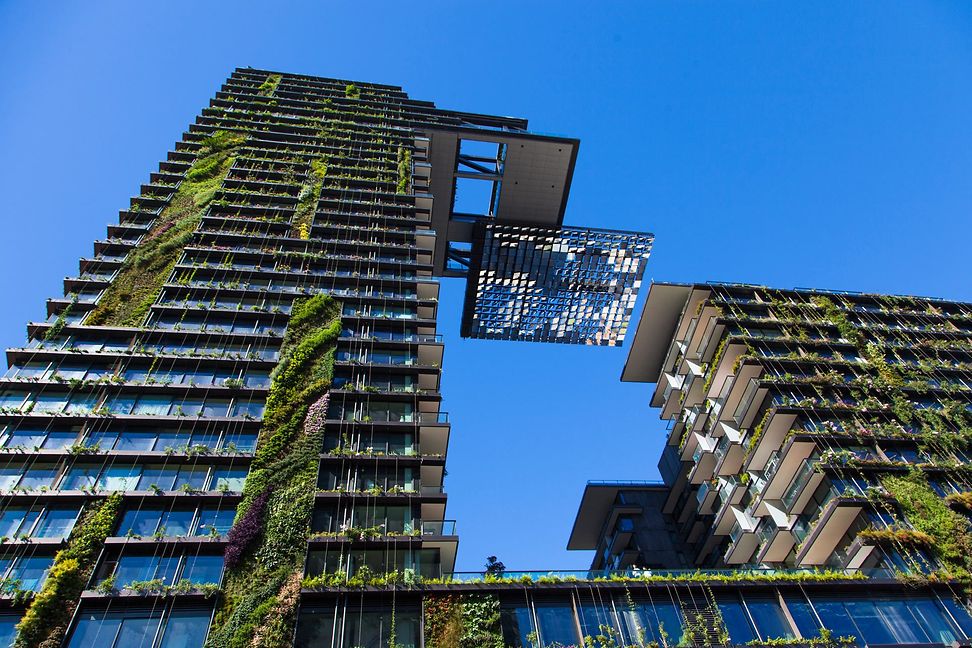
(494, 567)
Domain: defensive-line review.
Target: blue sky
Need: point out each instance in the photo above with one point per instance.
(818, 144)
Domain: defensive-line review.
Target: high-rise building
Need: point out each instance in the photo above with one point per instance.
(809, 430)
(236, 402)
(228, 432)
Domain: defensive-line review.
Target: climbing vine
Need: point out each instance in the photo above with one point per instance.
(268, 539)
(310, 195)
(46, 620)
(130, 295)
(462, 621)
(404, 169)
(948, 531)
(268, 87)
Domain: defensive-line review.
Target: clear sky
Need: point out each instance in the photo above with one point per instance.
(790, 144)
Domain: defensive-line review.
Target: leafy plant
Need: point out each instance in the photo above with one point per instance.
(45, 622)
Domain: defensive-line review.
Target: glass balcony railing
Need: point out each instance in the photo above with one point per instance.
(745, 402)
(800, 480)
(439, 528)
(703, 491)
(674, 574)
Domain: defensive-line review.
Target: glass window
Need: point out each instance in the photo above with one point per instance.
(901, 622)
(80, 476)
(597, 620)
(215, 407)
(11, 520)
(517, 624)
(556, 624)
(119, 478)
(230, 479)
(8, 629)
(203, 569)
(252, 409)
(959, 613)
(12, 399)
(159, 476)
(96, 629)
(104, 439)
(140, 522)
(136, 441)
(831, 612)
(132, 569)
(186, 628)
(50, 403)
(218, 520)
(314, 627)
(56, 522)
(173, 440)
(39, 476)
(153, 406)
(206, 439)
(736, 621)
(768, 617)
(82, 403)
(31, 571)
(9, 476)
(138, 631)
(60, 439)
(870, 623)
(192, 477)
(243, 441)
(373, 628)
(69, 371)
(24, 438)
(178, 522)
(932, 620)
(121, 404)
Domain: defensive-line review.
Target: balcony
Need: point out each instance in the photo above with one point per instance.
(703, 458)
(820, 538)
(773, 429)
(729, 451)
(742, 539)
(803, 485)
(789, 476)
(438, 528)
(774, 541)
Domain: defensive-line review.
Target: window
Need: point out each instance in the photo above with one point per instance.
(768, 617)
(655, 617)
(186, 628)
(200, 569)
(889, 620)
(229, 479)
(82, 403)
(181, 627)
(153, 406)
(8, 629)
(556, 624)
(30, 571)
(517, 624)
(215, 521)
(250, 409)
(736, 620)
(56, 522)
(50, 403)
(314, 627)
(80, 476)
(119, 478)
(24, 439)
(39, 476)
